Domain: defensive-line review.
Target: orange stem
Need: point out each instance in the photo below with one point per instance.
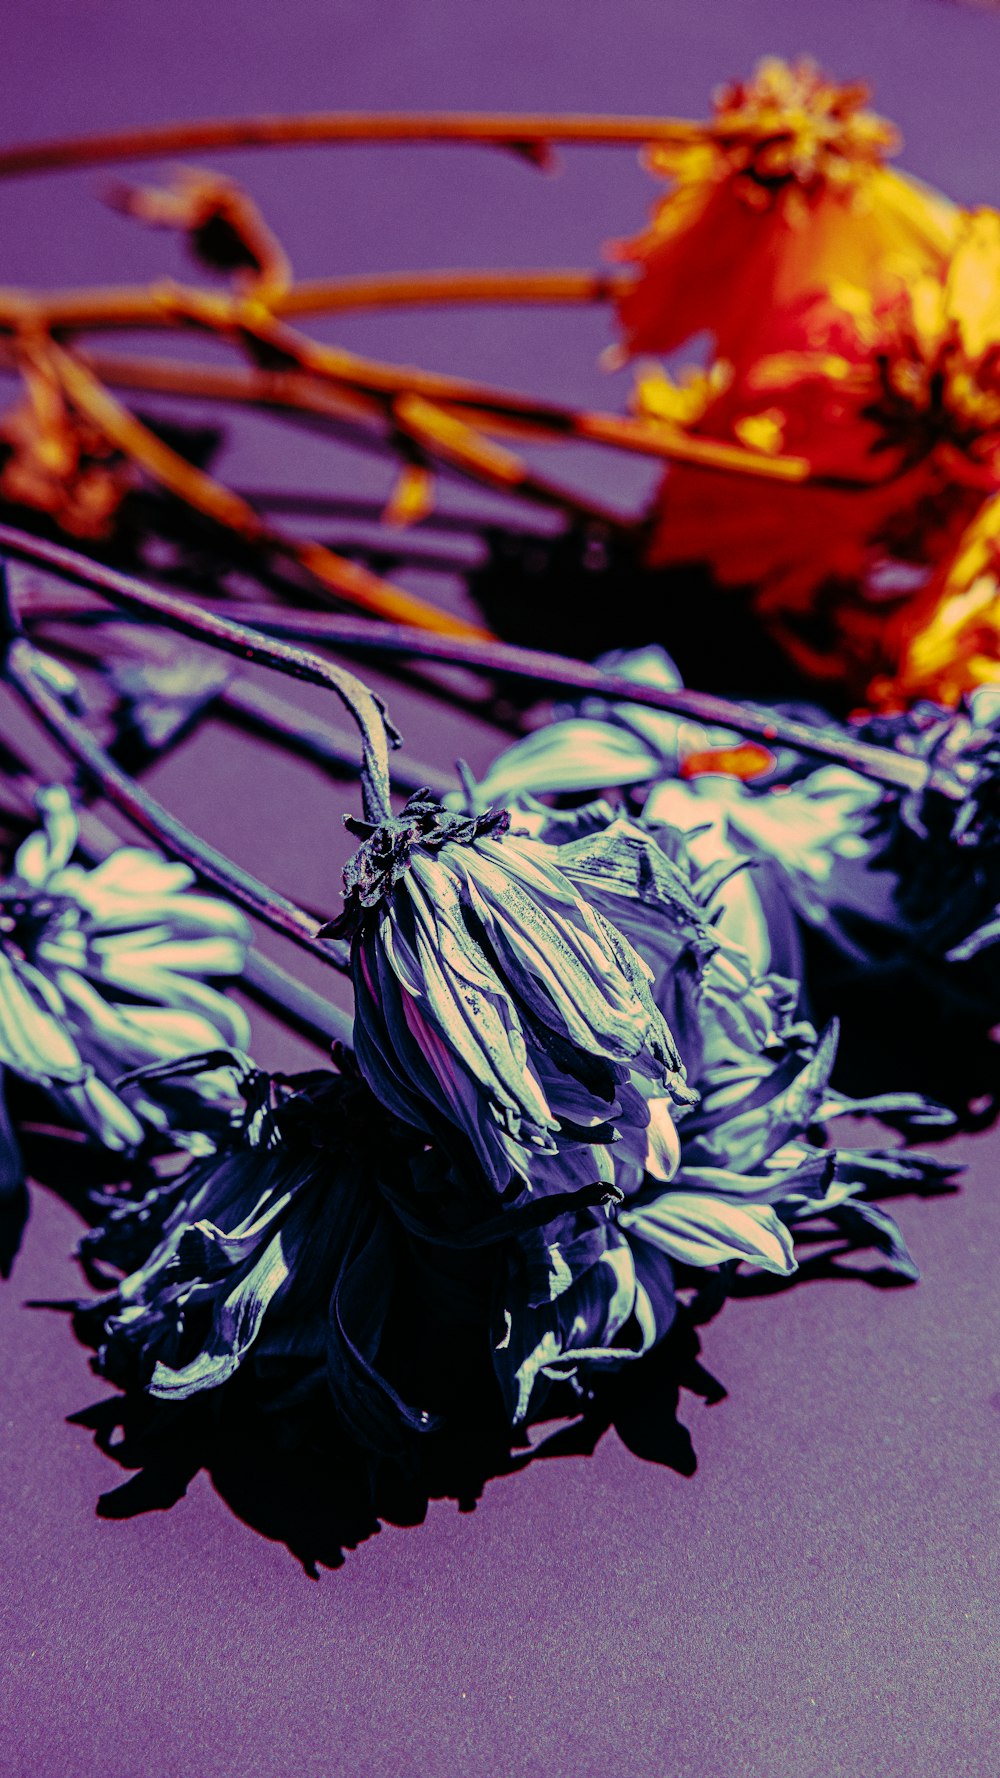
(524, 134)
(350, 582)
(496, 410)
(118, 307)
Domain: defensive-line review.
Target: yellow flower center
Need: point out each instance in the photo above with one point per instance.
(790, 126)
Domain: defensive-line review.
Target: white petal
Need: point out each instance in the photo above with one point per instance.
(581, 755)
(48, 850)
(33, 1040)
(130, 963)
(705, 1231)
(663, 1148)
(101, 1110)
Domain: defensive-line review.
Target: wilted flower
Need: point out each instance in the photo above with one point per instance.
(103, 970)
(53, 460)
(893, 881)
(784, 193)
(492, 1000)
(311, 1250)
(223, 227)
(589, 1291)
(326, 1221)
(576, 1297)
(278, 1253)
(893, 396)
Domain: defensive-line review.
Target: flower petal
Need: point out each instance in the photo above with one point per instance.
(707, 1231)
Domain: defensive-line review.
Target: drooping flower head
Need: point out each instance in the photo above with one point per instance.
(326, 1221)
(104, 970)
(784, 192)
(493, 1001)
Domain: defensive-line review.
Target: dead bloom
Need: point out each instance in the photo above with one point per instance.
(493, 1001)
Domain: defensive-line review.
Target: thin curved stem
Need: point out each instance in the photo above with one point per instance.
(121, 306)
(882, 764)
(236, 639)
(496, 411)
(302, 1007)
(249, 706)
(176, 839)
(523, 134)
(350, 582)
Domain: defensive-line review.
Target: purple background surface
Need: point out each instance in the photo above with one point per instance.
(819, 1598)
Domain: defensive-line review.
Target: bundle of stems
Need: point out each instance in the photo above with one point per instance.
(432, 423)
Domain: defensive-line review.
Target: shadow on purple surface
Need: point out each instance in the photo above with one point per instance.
(307, 1485)
(276, 1455)
(301, 1481)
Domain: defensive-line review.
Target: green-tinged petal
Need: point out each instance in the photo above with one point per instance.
(126, 961)
(33, 1042)
(663, 1147)
(47, 850)
(576, 755)
(236, 1325)
(100, 1111)
(707, 1231)
(135, 1034)
(490, 1044)
(128, 875)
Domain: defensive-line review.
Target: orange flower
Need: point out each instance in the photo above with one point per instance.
(946, 642)
(53, 460)
(894, 398)
(783, 193)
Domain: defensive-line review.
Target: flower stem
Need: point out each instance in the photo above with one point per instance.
(121, 306)
(249, 705)
(149, 815)
(235, 639)
(301, 1006)
(354, 584)
(882, 764)
(524, 134)
(407, 400)
(348, 392)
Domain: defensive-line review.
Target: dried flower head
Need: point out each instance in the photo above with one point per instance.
(591, 1291)
(222, 226)
(277, 1252)
(54, 460)
(492, 1000)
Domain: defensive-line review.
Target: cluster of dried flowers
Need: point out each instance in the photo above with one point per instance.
(586, 1068)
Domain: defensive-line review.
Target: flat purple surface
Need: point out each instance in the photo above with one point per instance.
(819, 1597)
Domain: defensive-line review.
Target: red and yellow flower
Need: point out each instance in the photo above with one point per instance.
(782, 194)
(893, 396)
